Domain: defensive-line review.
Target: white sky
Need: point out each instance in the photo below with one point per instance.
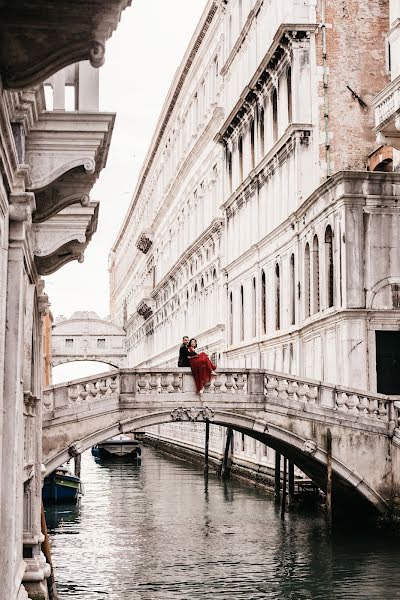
(141, 59)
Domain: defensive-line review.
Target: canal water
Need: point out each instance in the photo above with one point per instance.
(157, 532)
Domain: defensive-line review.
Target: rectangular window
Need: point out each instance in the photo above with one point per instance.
(101, 343)
(69, 342)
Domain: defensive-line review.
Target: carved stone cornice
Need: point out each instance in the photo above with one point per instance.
(276, 53)
(40, 37)
(64, 237)
(62, 141)
(145, 240)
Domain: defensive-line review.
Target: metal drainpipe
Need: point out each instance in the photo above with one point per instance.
(325, 84)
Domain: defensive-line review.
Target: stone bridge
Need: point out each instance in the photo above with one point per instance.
(286, 413)
(85, 336)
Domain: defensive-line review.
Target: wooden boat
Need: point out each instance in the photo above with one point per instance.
(61, 487)
(118, 446)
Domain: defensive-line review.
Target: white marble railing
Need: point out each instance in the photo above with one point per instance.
(387, 102)
(256, 384)
(81, 390)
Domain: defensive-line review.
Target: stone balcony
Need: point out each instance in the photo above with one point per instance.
(387, 115)
(67, 149)
(40, 37)
(64, 237)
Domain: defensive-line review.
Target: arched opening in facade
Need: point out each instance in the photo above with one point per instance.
(79, 368)
(241, 313)
(307, 281)
(329, 269)
(289, 94)
(263, 303)
(277, 297)
(292, 290)
(254, 308)
(230, 318)
(275, 116)
(315, 268)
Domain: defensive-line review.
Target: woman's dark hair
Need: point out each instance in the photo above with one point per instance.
(192, 340)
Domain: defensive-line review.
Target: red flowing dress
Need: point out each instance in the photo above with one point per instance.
(201, 367)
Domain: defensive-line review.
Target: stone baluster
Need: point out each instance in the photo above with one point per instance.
(177, 382)
(103, 387)
(292, 390)
(230, 383)
(141, 384)
(73, 393)
(382, 409)
(241, 383)
(302, 393)
(341, 399)
(165, 383)
(153, 383)
(271, 386)
(352, 403)
(282, 389)
(218, 382)
(312, 394)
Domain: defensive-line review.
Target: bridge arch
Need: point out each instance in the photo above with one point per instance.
(351, 490)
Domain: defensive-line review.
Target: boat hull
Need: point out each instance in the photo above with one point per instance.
(60, 489)
(116, 451)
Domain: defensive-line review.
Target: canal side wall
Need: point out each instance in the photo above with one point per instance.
(250, 472)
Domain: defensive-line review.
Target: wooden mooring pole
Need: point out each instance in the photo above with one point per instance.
(329, 478)
(226, 460)
(284, 491)
(206, 446)
(291, 480)
(277, 475)
(77, 465)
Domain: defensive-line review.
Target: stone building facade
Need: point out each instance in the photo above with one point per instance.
(265, 221)
(50, 158)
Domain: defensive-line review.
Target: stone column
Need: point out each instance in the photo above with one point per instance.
(37, 569)
(12, 564)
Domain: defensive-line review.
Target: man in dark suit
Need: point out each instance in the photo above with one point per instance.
(183, 360)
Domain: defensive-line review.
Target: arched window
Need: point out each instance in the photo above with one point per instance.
(261, 127)
(229, 167)
(230, 319)
(289, 94)
(329, 269)
(315, 268)
(307, 281)
(274, 115)
(292, 291)
(252, 145)
(254, 308)
(277, 298)
(240, 150)
(263, 303)
(230, 33)
(241, 313)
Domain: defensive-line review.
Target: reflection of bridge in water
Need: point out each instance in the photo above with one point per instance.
(288, 414)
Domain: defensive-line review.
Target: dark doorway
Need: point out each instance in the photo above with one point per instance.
(388, 362)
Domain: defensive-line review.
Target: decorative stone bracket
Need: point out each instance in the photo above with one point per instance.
(40, 37)
(145, 241)
(146, 308)
(64, 237)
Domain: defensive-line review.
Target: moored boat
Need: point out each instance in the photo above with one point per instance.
(116, 447)
(61, 487)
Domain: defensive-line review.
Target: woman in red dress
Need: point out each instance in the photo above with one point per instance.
(201, 365)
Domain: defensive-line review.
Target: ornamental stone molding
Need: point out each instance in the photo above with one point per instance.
(146, 307)
(192, 414)
(145, 241)
(64, 237)
(62, 141)
(40, 37)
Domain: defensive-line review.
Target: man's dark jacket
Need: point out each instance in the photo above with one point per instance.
(183, 360)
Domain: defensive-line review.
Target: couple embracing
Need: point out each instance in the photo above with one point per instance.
(201, 365)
